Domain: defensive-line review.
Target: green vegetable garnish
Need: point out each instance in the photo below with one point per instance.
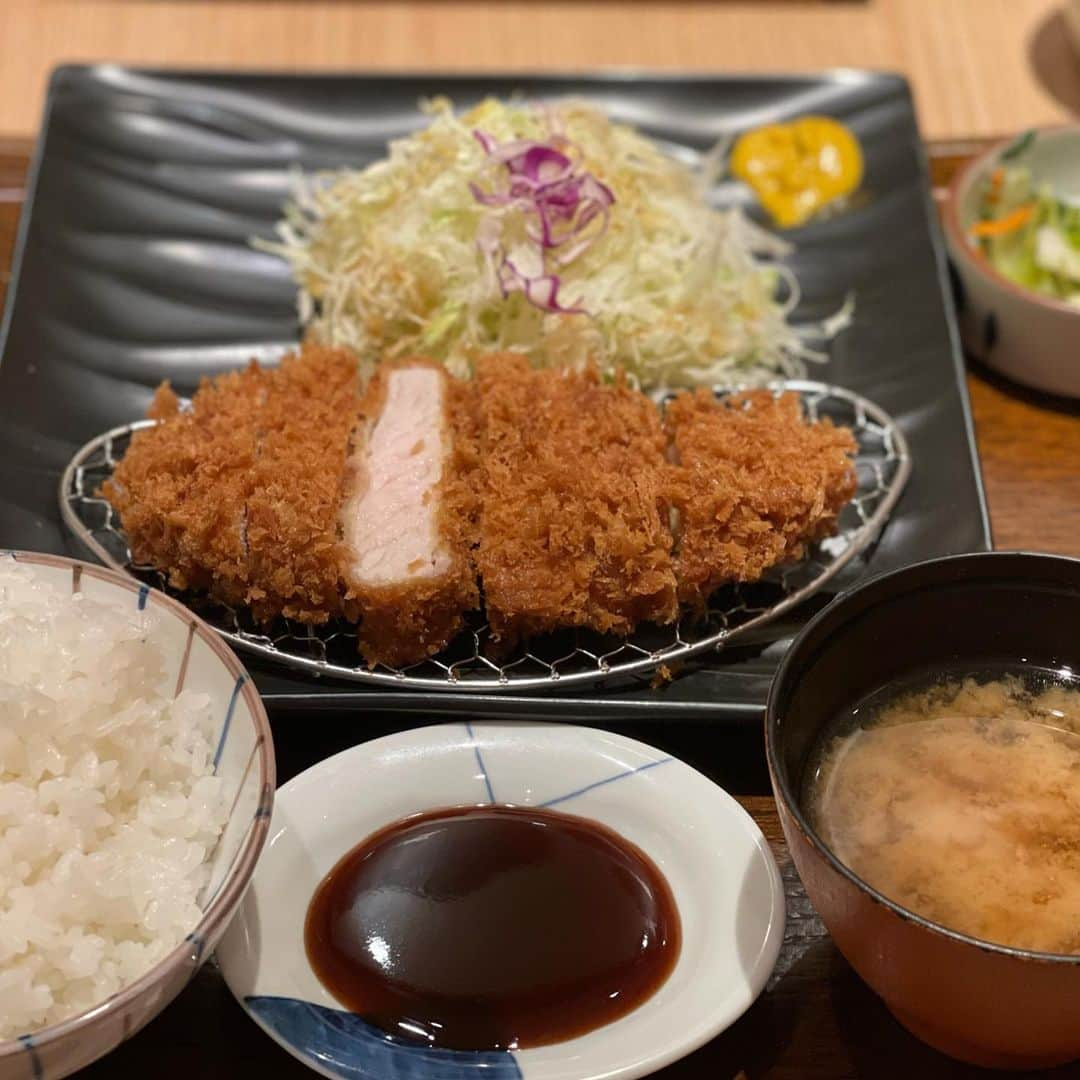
(1029, 233)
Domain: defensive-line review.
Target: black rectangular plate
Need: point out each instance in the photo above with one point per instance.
(134, 265)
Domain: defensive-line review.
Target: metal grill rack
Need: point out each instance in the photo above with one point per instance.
(883, 465)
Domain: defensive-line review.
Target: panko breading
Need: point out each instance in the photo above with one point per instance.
(182, 487)
(572, 529)
(408, 517)
(238, 495)
(304, 423)
(284, 491)
(753, 484)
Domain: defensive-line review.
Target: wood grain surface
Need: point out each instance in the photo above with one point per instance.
(816, 1020)
(978, 67)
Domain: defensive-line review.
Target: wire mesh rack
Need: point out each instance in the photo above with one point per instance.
(571, 657)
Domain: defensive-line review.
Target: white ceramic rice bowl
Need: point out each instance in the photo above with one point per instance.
(196, 659)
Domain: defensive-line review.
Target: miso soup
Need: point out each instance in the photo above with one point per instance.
(960, 800)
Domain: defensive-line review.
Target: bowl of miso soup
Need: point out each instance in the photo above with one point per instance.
(923, 738)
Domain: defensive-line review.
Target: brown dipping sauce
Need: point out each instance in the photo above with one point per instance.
(494, 927)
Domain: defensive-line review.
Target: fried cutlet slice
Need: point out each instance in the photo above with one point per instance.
(304, 426)
(408, 517)
(572, 530)
(182, 487)
(753, 483)
(237, 496)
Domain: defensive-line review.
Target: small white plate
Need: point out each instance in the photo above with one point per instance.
(726, 884)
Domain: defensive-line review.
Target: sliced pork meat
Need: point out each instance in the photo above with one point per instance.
(572, 531)
(406, 521)
(753, 482)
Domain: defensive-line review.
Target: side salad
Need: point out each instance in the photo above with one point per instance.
(1028, 231)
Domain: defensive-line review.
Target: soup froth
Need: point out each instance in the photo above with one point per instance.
(961, 802)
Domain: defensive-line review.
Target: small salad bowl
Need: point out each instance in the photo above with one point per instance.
(1023, 333)
(722, 874)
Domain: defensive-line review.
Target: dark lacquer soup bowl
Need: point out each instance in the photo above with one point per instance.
(984, 1003)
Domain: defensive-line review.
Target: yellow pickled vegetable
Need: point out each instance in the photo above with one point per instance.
(797, 168)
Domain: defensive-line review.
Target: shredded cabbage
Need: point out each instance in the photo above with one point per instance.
(390, 260)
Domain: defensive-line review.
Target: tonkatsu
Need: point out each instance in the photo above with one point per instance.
(547, 499)
(573, 531)
(752, 483)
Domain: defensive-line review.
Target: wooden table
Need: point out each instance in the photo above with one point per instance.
(977, 67)
(816, 1020)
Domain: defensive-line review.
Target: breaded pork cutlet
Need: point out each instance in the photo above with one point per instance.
(283, 490)
(304, 425)
(572, 531)
(182, 487)
(408, 516)
(237, 496)
(753, 483)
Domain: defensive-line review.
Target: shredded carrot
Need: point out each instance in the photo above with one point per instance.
(1007, 224)
(997, 179)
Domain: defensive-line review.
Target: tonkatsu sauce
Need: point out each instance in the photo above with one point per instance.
(480, 928)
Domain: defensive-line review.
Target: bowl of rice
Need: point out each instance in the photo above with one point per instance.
(136, 785)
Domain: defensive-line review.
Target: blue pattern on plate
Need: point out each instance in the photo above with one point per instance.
(228, 720)
(606, 780)
(480, 763)
(144, 592)
(345, 1046)
(489, 786)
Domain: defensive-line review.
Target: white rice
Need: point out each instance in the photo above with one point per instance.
(108, 803)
